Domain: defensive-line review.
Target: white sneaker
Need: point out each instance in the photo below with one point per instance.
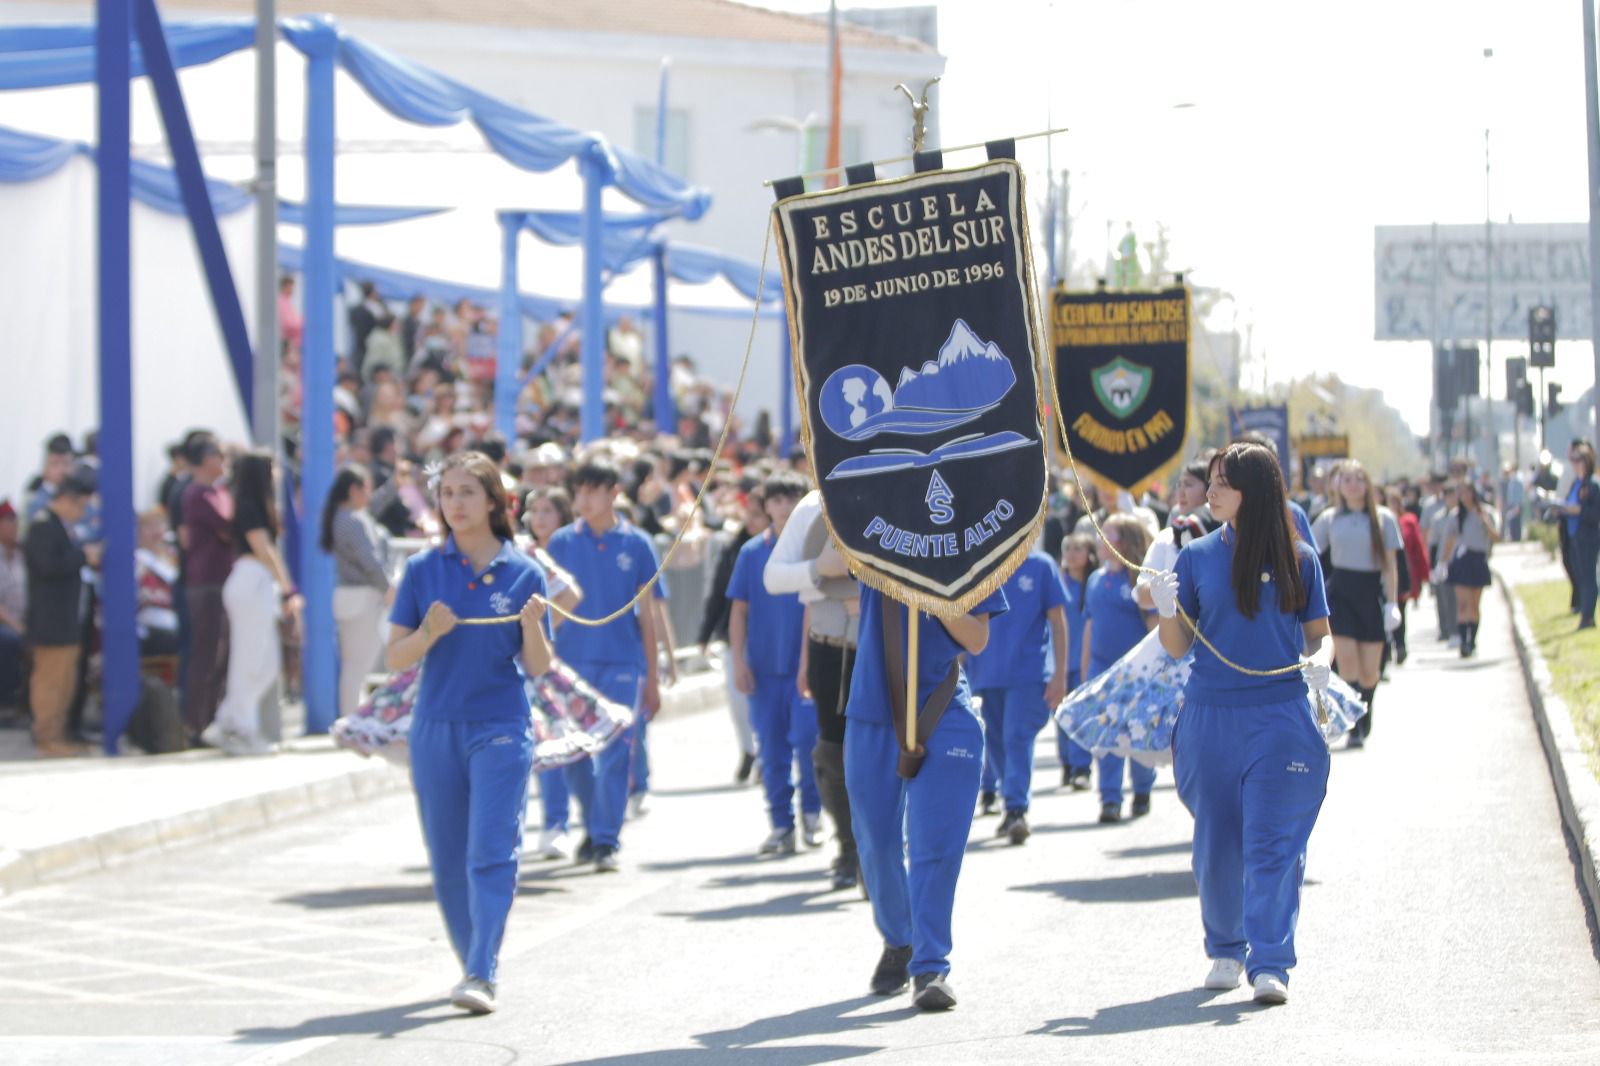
(1271, 991)
(1225, 974)
(473, 995)
(211, 735)
(811, 829)
(636, 805)
(554, 844)
(247, 745)
(778, 842)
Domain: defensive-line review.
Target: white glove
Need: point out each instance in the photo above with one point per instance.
(1164, 593)
(1440, 572)
(1315, 673)
(1391, 617)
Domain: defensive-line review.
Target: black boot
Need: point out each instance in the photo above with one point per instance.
(1466, 639)
(827, 758)
(1472, 635)
(893, 973)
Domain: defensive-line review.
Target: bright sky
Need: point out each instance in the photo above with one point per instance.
(1309, 124)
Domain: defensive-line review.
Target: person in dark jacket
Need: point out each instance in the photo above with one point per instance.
(55, 589)
(714, 626)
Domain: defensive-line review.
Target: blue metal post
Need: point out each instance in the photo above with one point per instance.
(319, 678)
(666, 410)
(786, 391)
(118, 593)
(592, 317)
(196, 199)
(508, 360)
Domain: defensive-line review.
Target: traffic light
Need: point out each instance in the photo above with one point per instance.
(1516, 374)
(1552, 400)
(1467, 383)
(1524, 395)
(1542, 336)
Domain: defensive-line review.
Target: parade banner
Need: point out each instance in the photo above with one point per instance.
(1272, 421)
(912, 322)
(1122, 380)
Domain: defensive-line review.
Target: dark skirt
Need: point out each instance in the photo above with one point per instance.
(1471, 569)
(1355, 604)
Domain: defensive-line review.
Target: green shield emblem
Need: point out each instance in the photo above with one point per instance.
(1122, 386)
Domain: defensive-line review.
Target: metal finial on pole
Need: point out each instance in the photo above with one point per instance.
(919, 112)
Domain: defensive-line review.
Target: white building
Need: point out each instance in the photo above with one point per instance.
(747, 93)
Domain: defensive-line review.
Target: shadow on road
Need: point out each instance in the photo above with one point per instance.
(755, 1056)
(384, 1022)
(774, 877)
(796, 903)
(1134, 888)
(1177, 847)
(679, 865)
(824, 1020)
(380, 895)
(1190, 1007)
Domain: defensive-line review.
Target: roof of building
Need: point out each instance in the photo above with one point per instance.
(706, 19)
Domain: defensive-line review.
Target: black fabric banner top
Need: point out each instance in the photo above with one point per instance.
(1122, 380)
(912, 320)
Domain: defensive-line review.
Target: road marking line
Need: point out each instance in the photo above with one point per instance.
(281, 1053)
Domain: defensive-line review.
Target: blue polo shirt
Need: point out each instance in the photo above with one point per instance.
(611, 568)
(936, 650)
(1271, 639)
(1117, 616)
(472, 673)
(1302, 524)
(1075, 592)
(776, 623)
(1020, 651)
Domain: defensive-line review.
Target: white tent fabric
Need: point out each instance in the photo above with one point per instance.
(181, 376)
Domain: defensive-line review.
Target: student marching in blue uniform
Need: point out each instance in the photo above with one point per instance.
(925, 820)
(1250, 760)
(471, 735)
(1113, 623)
(1078, 561)
(611, 560)
(765, 633)
(1019, 678)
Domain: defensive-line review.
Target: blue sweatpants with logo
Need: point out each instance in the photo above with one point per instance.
(1254, 779)
(786, 731)
(471, 780)
(600, 782)
(1012, 718)
(925, 820)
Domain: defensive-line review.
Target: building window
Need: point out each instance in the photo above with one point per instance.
(676, 158)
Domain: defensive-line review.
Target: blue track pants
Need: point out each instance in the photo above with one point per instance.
(1144, 778)
(1254, 779)
(471, 780)
(786, 731)
(1012, 718)
(926, 819)
(600, 783)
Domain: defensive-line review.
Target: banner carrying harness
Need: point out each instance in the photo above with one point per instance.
(913, 329)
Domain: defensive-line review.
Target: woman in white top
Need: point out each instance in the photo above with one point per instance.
(1469, 533)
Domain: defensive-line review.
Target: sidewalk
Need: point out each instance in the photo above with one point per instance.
(62, 818)
(1577, 791)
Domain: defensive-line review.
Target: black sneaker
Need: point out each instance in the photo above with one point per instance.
(1019, 830)
(1110, 813)
(747, 763)
(845, 873)
(1141, 804)
(933, 992)
(1066, 777)
(987, 803)
(585, 852)
(1004, 827)
(892, 975)
(1080, 780)
(605, 860)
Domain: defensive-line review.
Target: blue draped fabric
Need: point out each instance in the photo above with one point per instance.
(33, 57)
(29, 157)
(40, 57)
(695, 265)
(293, 214)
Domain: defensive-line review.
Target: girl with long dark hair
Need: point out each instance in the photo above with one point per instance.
(1468, 536)
(360, 550)
(1360, 539)
(471, 734)
(1250, 761)
(257, 592)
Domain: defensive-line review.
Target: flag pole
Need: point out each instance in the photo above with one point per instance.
(911, 677)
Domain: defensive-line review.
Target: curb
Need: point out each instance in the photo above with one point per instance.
(1577, 791)
(23, 869)
(60, 861)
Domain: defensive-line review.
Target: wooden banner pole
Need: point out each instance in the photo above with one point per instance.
(911, 678)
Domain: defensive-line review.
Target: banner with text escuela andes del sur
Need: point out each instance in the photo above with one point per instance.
(912, 320)
(1122, 381)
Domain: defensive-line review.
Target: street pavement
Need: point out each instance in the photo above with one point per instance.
(1441, 923)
